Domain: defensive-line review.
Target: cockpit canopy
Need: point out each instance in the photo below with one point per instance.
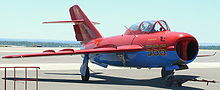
(148, 27)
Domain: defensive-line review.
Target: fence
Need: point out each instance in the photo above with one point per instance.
(25, 79)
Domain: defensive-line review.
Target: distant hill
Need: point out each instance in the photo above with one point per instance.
(38, 43)
(210, 47)
(40, 40)
(209, 44)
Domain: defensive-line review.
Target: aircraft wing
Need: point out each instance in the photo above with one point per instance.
(125, 48)
(207, 55)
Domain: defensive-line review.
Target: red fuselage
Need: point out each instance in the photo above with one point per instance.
(185, 44)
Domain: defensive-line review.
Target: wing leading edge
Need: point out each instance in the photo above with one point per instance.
(125, 48)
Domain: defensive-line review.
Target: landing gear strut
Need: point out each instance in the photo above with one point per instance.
(84, 69)
(168, 77)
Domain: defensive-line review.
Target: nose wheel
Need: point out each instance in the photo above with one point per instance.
(168, 77)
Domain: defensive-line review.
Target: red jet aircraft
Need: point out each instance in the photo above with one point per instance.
(148, 44)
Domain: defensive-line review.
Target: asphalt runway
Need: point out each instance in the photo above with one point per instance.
(62, 73)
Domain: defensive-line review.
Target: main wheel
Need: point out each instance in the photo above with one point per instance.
(86, 77)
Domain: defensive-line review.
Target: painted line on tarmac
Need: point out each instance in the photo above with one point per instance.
(204, 65)
(76, 66)
(57, 66)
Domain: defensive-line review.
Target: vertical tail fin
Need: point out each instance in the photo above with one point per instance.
(85, 31)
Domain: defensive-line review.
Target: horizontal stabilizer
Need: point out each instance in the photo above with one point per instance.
(125, 48)
(73, 21)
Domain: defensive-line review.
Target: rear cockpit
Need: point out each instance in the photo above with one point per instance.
(146, 27)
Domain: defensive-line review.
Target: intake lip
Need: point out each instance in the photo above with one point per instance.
(187, 48)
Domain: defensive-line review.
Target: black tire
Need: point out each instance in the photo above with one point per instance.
(165, 73)
(179, 84)
(87, 76)
(168, 77)
(169, 81)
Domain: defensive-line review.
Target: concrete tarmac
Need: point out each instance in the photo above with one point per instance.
(62, 73)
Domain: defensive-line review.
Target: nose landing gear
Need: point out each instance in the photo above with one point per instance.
(168, 77)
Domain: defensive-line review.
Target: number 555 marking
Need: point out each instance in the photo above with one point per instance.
(156, 50)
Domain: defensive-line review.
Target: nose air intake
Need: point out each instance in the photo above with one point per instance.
(187, 48)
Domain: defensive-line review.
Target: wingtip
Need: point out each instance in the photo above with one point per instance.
(4, 57)
(44, 22)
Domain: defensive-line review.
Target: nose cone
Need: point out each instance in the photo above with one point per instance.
(184, 44)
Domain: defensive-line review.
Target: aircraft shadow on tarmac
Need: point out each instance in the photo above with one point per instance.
(155, 82)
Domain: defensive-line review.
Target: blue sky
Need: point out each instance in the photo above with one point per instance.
(22, 18)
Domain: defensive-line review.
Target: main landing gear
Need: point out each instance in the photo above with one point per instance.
(86, 76)
(84, 69)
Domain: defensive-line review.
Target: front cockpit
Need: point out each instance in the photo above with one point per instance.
(147, 27)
